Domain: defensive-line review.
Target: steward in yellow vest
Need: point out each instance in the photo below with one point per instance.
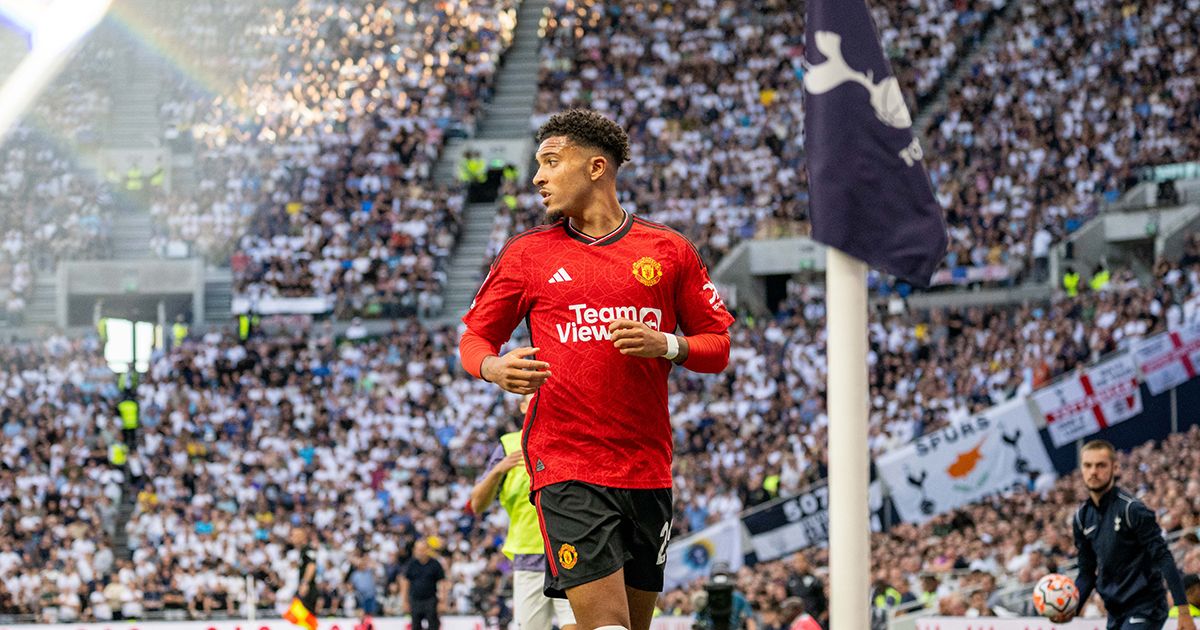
(179, 332)
(128, 410)
(507, 480)
(1100, 279)
(1071, 282)
(117, 454)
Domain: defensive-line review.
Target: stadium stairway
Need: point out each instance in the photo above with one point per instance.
(954, 78)
(463, 276)
(131, 233)
(134, 122)
(506, 117)
(120, 537)
(218, 295)
(42, 308)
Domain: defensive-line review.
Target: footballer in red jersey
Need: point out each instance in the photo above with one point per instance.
(603, 293)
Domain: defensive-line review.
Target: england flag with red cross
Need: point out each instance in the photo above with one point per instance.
(1170, 359)
(1090, 401)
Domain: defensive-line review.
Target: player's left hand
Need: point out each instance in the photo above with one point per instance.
(1186, 623)
(636, 339)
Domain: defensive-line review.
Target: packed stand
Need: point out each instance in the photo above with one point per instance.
(381, 447)
(359, 440)
(959, 563)
(1076, 98)
(58, 494)
(377, 442)
(315, 175)
(716, 134)
(711, 96)
(50, 205)
(225, 48)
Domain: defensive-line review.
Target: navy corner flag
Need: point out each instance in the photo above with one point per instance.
(870, 195)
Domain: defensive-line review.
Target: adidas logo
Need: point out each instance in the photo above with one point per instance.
(540, 466)
(560, 276)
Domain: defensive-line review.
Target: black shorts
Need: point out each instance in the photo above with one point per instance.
(1151, 615)
(593, 531)
(310, 600)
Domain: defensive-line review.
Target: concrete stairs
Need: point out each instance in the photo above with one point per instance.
(43, 302)
(134, 123)
(120, 539)
(509, 113)
(464, 276)
(506, 117)
(131, 232)
(218, 296)
(953, 79)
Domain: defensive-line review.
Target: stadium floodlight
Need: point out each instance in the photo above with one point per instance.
(55, 27)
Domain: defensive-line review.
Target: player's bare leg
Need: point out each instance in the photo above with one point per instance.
(641, 607)
(601, 603)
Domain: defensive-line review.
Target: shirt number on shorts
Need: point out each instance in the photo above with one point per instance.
(665, 534)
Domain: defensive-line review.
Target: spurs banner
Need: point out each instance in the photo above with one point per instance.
(1091, 400)
(989, 453)
(789, 525)
(693, 557)
(785, 526)
(1170, 359)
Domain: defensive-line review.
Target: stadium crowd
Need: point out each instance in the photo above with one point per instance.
(315, 174)
(1025, 150)
(223, 42)
(315, 179)
(377, 442)
(58, 492)
(711, 95)
(51, 204)
(1033, 141)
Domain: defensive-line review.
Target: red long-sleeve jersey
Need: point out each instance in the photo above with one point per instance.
(601, 417)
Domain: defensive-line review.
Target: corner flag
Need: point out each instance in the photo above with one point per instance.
(300, 615)
(870, 195)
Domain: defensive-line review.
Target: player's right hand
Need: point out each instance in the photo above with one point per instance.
(1063, 617)
(514, 373)
(511, 461)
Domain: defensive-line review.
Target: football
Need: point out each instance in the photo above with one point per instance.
(1055, 594)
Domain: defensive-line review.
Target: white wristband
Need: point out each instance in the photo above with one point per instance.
(672, 347)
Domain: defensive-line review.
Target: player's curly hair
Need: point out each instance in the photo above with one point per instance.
(589, 129)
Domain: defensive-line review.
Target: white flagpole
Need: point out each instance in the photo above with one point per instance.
(849, 513)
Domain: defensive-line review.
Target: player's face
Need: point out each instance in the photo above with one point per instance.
(1098, 469)
(562, 177)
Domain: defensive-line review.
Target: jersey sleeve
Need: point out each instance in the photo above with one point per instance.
(1085, 580)
(501, 302)
(1149, 534)
(698, 307)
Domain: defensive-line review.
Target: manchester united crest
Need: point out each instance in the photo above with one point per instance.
(567, 557)
(647, 270)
